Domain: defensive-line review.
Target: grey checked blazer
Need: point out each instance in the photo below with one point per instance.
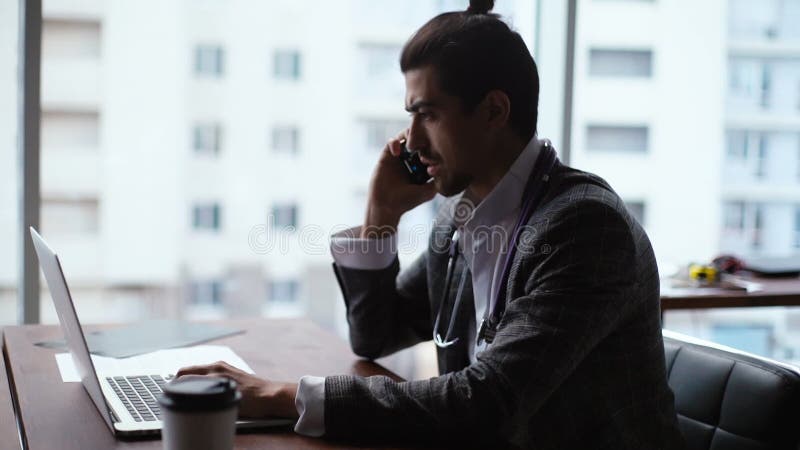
(578, 360)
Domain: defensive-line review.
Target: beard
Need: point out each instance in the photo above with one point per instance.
(450, 184)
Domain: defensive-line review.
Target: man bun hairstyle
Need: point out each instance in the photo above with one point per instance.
(474, 52)
(480, 6)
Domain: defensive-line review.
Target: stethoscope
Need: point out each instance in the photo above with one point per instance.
(532, 197)
(437, 338)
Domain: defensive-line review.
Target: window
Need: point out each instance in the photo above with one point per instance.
(206, 217)
(737, 144)
(620, 63)
(616, 138)
(207, 138)
(637, 210)
(285, 216)
(70, 130)
(70, 39)
(798, 96)
(380, 60)
(378, 132)
(286, 139)
(758, 20)
(758, 227)
(145, 116)
(797, 227)
(761, 162)
(377, 72)
(766, 85)
(63, 216)
(286, 64)
(734, 216)
(744, 83)
(205, 293)
(757, 339)
(209, 60)
(284, 291)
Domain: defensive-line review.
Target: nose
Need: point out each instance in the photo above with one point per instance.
(416, 140)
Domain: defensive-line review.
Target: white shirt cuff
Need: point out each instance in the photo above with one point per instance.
(310, 404)
(353, 252)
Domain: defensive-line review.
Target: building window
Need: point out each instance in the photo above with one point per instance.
(758, 227)
(637, 210)
(743, 77)
(206, 217)
(378, 132)
(766, 85)
(70, 39)
(285, 216)
(380, 60)
(757, 20)
(761, 162)
(798, 156)
(798, 96)
(752, 338)
(205, 293)
(734, 216)
(797, 227)
(286, 64)
(209, 60)
(737, 141)
(283, 291)
(620, 63)
(286, 139)
(70, 130)
(70, 216)
(617, 138)
(207, 138)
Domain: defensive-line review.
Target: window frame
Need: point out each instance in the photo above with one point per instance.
(209, 60)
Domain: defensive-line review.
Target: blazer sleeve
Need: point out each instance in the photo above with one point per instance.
(572, 299)
(386, 312)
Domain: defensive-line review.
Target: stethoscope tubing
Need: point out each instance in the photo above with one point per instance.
(533, 195)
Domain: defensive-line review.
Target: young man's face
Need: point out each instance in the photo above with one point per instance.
(448, 139)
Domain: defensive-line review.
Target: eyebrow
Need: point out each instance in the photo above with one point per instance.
(420, 104)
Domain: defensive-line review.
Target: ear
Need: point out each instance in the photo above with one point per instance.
(497, 107)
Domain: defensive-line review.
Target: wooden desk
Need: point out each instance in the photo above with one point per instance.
(9, 437)
(61, 415)
(774, 292)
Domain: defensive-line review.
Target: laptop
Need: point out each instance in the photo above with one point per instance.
(788, 266)
(128, 404)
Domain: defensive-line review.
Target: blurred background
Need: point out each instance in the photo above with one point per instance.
(196, 155)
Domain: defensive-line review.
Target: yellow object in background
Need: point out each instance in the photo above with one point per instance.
(701, 273)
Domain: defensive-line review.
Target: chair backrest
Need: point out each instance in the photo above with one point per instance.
(731, 400)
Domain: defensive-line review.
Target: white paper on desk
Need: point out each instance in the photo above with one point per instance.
(160, 362)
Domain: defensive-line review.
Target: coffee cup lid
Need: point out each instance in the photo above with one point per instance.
(196, 393)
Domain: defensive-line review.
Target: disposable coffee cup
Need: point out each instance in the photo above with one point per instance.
(199, 413)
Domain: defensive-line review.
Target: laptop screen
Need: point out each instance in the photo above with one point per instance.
(70, 325)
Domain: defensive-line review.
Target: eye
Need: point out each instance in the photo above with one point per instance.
(424, 116)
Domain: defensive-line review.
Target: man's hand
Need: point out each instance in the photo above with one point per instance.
(260, 398)
(391, 193)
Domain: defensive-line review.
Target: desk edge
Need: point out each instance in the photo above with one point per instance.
(12, 388)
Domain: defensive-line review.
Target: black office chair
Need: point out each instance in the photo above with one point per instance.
(731, 400)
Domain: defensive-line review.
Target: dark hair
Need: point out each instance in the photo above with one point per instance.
(474, 52)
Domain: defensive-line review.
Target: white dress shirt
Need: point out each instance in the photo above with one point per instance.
(484, 239)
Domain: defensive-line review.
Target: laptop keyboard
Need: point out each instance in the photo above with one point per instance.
(139, 394)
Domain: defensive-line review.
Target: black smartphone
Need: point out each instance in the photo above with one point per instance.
(417, 172)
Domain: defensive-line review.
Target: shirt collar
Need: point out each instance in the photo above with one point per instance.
(506, 196)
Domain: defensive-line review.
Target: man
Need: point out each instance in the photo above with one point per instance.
(570, 355)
